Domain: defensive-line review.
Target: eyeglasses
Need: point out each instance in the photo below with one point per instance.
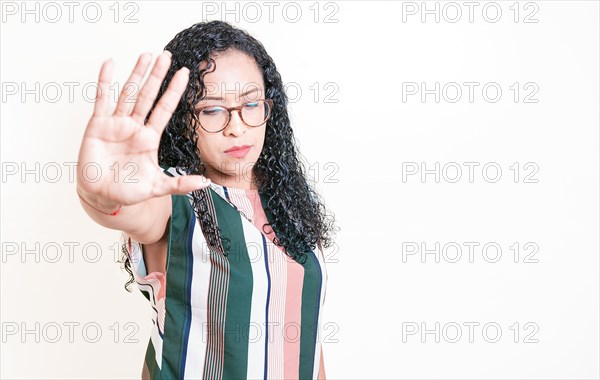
(254, 113)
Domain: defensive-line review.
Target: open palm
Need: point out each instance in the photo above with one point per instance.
(118, 157)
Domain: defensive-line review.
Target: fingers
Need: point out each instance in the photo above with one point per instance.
(168, 101)
(181, 184)
(127, 97)
(102, 90)
(148, 93)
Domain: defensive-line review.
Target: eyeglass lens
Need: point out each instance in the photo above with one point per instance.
(253, 114)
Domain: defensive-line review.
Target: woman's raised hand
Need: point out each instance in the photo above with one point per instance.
(118, 157)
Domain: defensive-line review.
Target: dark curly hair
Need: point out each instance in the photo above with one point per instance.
(298, 216)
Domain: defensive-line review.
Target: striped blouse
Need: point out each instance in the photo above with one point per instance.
(253, 313)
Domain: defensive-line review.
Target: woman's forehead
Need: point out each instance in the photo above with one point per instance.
(234, 91)
(235, 75)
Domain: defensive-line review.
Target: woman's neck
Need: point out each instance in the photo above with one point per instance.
(237, 181)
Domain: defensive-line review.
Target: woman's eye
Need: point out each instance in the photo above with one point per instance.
(211, 111)
(251, 105)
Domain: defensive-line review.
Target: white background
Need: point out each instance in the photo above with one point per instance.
(370, 138)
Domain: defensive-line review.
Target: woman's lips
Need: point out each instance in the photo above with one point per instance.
(238, 151)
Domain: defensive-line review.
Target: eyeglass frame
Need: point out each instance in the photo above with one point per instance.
(239, 110)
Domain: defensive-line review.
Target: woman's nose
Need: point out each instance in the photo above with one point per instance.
(235, 126)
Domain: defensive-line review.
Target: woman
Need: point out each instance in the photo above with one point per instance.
(200, 172)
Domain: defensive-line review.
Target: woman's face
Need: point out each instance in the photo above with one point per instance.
(235, 80)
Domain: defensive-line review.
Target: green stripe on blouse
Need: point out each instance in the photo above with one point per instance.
(310, 310)
(178, 311)
(150, 360)
(239, 295)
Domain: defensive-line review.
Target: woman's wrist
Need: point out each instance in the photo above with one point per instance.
(106, 208)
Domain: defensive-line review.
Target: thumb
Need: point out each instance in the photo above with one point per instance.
(183, 184)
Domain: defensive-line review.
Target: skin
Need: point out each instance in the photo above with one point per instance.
(122, 138)
(236, 79)
(239, 72)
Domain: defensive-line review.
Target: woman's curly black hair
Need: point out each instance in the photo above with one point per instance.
(298, 216)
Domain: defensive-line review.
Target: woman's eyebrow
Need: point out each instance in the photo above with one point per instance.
(241, 95)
